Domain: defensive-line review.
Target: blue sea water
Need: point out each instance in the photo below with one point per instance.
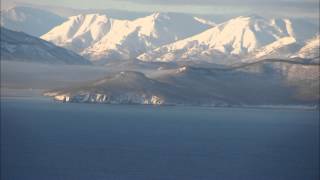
(44, 140)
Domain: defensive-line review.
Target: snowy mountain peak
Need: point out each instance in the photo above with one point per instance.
(160, 15)
(248, 18)
(79, 32)
(89, 18)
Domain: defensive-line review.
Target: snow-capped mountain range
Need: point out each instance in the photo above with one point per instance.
(263, 61)
(100, 37)
(235, 39)
(169, 37)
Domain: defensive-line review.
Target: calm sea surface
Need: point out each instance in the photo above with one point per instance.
(44, 140)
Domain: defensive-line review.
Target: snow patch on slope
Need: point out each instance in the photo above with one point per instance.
(281, 48)
(311, 49)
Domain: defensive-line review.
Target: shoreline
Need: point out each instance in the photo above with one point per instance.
(262, 107)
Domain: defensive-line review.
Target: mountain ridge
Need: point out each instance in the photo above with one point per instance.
(232, 39)
(125, 39)
(267, 82)
(19, 46)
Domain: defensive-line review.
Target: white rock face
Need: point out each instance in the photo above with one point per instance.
(100, 37)
(156, 100)
(63, 98)
(235, 38)
(125, 98)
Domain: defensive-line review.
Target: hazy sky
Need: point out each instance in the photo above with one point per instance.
(290, 8)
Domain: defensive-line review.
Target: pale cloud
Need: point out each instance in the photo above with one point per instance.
(288, 8)
(227, 2)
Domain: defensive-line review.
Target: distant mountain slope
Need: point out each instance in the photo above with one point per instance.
(32, 21)
(100, 37)
(265, 82)
(281, 48)
(268, 82)
(120, 88)
(18, 46)
(310, 49)
(233, 39)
